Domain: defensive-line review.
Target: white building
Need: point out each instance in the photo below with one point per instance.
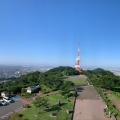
(32, 89)
(5, 94)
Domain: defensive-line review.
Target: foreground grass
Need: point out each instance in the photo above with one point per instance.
(78, 80)
(108, 98)
(32, 112)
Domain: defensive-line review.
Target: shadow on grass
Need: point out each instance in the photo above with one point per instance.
(116, 89)
(70, 111)
(56, 107)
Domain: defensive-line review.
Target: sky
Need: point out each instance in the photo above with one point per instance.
(47, 32)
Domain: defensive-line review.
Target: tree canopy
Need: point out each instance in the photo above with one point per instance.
(103, 78)
(51, 79)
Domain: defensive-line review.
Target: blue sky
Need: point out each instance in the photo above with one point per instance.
(47, 32)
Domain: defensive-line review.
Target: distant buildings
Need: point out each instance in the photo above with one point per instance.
(16, 71)
(116, 72)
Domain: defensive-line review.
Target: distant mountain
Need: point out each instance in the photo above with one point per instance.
(98, 70)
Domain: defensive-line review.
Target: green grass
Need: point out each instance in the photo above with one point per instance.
(27, 95)
(78, 80)
(110, 100)
(29, 113)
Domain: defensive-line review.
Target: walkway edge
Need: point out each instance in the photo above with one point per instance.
(74, 106)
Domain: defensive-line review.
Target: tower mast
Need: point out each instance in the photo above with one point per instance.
(77, 63)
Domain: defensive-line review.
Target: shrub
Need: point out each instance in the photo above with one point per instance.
(27, 105)
(16, 116)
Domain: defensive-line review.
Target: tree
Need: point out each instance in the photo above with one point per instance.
(65, 88)
(67, 85)
(40, 102)
(23, 90)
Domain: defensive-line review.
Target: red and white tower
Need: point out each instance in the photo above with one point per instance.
(77, 63)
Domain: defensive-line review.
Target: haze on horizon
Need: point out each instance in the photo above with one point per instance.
(48, 32)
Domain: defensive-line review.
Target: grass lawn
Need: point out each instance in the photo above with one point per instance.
(78, 80)
(32, 112)
(114, 99)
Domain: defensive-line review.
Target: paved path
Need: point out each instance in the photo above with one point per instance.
(89, 106)
(8, 109)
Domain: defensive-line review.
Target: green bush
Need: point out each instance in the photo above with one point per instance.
(16, 116)
(27, 105)
(117, 94)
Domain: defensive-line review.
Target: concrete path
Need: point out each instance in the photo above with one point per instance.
(89, 106)
(8, 109)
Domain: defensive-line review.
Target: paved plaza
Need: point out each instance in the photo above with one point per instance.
(89, 106)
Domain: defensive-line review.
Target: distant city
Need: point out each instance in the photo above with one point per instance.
(16, 71)
(116, 72)
(7, 72)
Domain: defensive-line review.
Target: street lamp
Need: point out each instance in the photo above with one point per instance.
(58, 108)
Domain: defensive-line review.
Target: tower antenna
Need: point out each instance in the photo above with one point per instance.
(77, 63)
